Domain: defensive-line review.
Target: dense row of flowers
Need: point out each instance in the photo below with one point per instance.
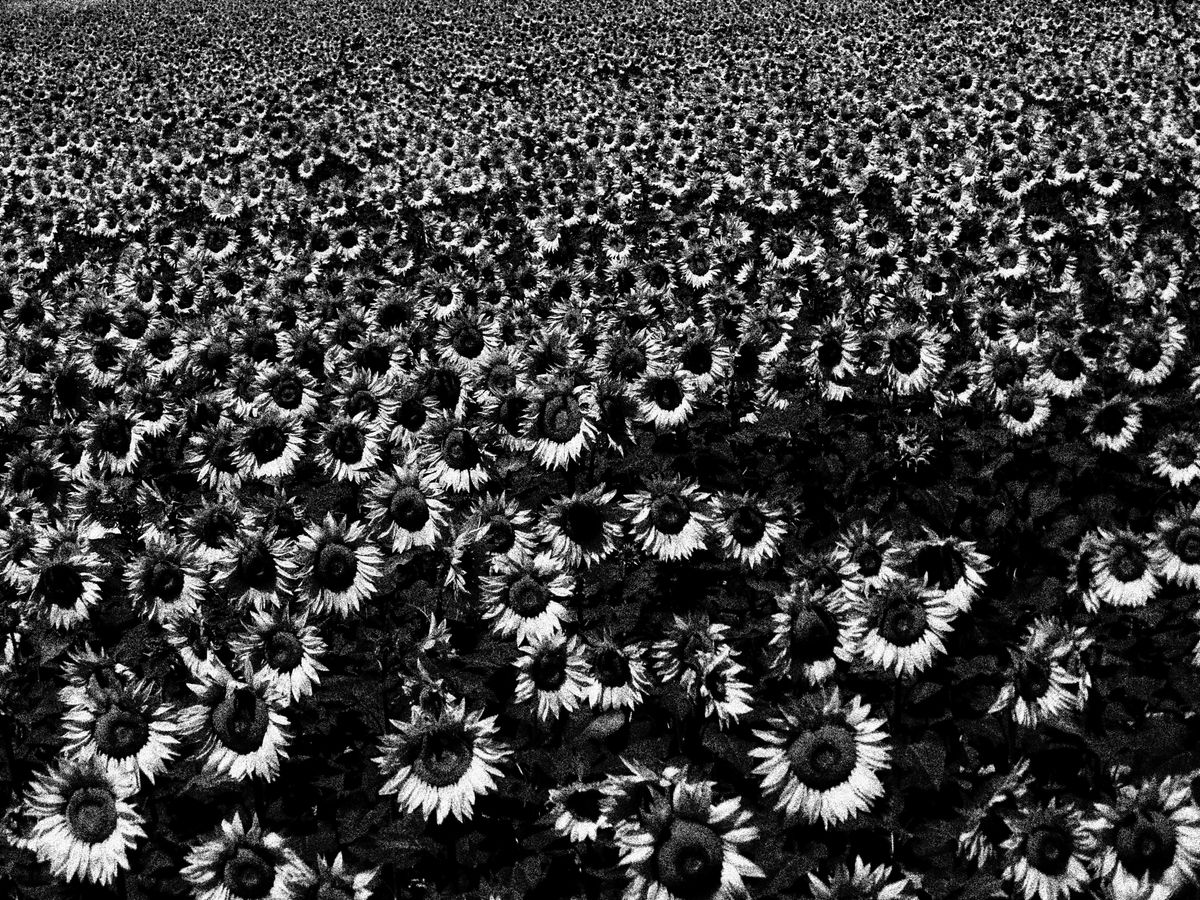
(672, 451)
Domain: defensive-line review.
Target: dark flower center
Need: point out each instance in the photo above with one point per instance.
(612, 668)
(1049, 849)
(690, 861)
(460, 450)
(1145, 353)
(346, 443)
(267, 441)
(215, 526)
(824, 758)
(250, 874)
(336, 567)
(256, 566)
(830, 352)
(501, 535)
(120, 733)
(92, 812)
(1146, 843)
(501, 379)
(408, 509)
(444, 757)
(1181, 453)
(114, 434)
(1128, 563)
(527, 597)
(560, 417)
(333, 889)
(1110, 419)
(747, 525)
(164, 580)
(283, 650)
(548, 670)
(670, 514)
(1066, 364)
(628, 362)
(902, 620)
(240, 721)
(362, 401)
(697, 358)
(584, 523)
(941, 565)
(583, 804)
(1185, 543)
(1032, 680)
(288, 392)
(870, 561)
(61, 585)
(468, 341)
(814, 634)
(666, 393)
(905, 353)
(412, 414)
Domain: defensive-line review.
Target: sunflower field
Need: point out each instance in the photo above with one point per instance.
(674, 450)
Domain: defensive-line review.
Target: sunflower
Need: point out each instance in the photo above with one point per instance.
(904, 625)
(665, 398)
(1047, 854)
(164, 580)
(1064, 369)
(258, 567)
(750, 529)
(717, 683)
(84, 824)
(863, 882)
(616, 674)
(214, 453)
(913, 358)
(63, 579)
(123, 728)
(1148, 350)
(671, 518)
(506, 529)
(811, 633)
(582, 529)
(84, 666)
(1122, 569)
(688, 845)
(211, 527)
(1114, 424)
(467, 341)
(1146, 843)
(114, 438)
(1040, 686)
(455, 457)
(348, 448)
(240, 863)
(339, 568)
(1176, 457)
(952, 566)
(405, 509)
(551, 676)
(986, 822)
(822, 758)
(337, 881)
(865, 557)
(527, 598)
(559, 424)
(440, 763)
(286, 652)
(1024, 410)
(288, 391)
(242, 731)
(577, 811)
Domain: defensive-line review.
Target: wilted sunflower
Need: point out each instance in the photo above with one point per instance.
(84, 824)
(822, 759)
(1145, 845)
(440, 763)
(240, 863)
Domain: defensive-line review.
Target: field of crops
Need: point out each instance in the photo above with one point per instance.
(649, 450)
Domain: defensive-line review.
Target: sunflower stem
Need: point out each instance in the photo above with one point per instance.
(898, 697)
